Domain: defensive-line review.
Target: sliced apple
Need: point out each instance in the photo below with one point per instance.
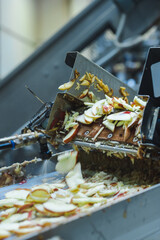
(4, 234)
(44, 186)
(57, 185)
(88, 185)
(122, 103)
(94, 190)
(18, 194)
(97, 107)
(107, 109)
(107, 192)
(18, 217)
(59, 207)
(87, 119)
(90, 200)
(81, 119)
(120, 116)
(72, 133)
(84, 94)
(9, 202)
(44, 222)
(8, 226)
(25, 208)
(66, 161)
(108, 124)
(66, 86)
(139, 101)
(23, 231)
(8, 212)
(40, 208)
(74, 177)
(38, 195)
(89, 114)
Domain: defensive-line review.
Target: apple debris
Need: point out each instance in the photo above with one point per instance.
(18, 194)
(72, 133)
(66, 161)
(58, 207)
(74, 177)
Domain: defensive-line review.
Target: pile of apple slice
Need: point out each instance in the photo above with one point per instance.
(115, 112)
(28, 210)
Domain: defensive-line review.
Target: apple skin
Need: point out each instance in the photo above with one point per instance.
(72, 133)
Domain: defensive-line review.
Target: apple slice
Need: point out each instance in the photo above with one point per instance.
(18, 194)
(44, 186)
(66, 86)
(81, 119)
(4, 234)
(139, 101)
(119, 102)
(59, 207)
(89, 114)
(97, 107)
(120, 116)
(9, 202)
(94, 190)
(72, 133)
(7, 213)
(66, 161)
(38, 195)
(8, 226)
(18, 217)
(108, 192)
(87, 119)
(44, 222)
(74, 177)
(88, 200)
(108, 124)
(23, 231)
(40, 208)
(88, 185)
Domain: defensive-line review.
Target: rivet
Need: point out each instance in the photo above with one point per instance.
(86, 132)
(110, 135)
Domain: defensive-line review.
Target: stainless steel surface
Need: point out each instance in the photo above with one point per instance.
(83, 65)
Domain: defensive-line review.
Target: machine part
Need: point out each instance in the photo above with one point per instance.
(150, 129)
(133, 217)
(47, 62)
(26, 139)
